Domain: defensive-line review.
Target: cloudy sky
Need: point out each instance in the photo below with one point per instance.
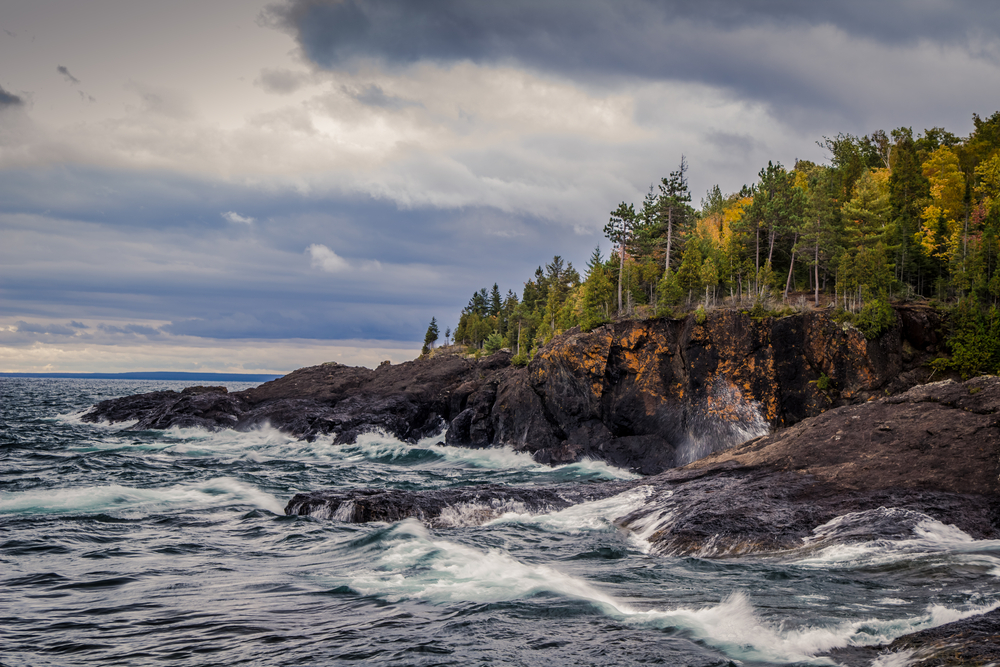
(252, 185)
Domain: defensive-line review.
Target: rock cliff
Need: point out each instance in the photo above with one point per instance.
(654, 394)
(647, 395)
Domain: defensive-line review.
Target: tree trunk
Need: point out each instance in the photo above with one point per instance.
(788, 282)
(621, 270)
(670, 234)
(756, 257)
(816, 260)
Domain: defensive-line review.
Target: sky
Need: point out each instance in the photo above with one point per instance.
(251, 185)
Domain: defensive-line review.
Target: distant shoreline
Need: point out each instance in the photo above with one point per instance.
(152, 375)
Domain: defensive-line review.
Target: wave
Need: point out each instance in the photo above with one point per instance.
(886, 535)
(132, 500)
(594, 515)
(409, 563)
(266, 443)
(383, 447)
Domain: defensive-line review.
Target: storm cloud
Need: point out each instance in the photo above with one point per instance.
(796, 57)
(309, 175)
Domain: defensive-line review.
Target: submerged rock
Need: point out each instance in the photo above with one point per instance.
(970, 641)
(443, 507)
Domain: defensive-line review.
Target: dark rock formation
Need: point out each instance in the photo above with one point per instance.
(443, 507)
(934, 449)
(645, 395)
(970, 641)
(408, 401)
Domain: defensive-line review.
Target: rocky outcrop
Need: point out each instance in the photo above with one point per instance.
(934, 450)
(930, 453)
(970, 641)
(646, 395)
(408, 401)
(443, 507)
(651, 395)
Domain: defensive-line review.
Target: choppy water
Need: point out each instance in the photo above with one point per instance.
(122, 547)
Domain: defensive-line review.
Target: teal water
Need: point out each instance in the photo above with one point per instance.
(121, 547)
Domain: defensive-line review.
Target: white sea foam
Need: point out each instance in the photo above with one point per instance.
(132, 500)
(926, 537)
(412, 564)
(266, 443)
(415, 565)
(899, 659)
(75, 419)
(381, 445)
(589, 516)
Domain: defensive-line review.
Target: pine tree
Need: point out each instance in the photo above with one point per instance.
(673, 205)
(430, 337)
(495, 302)
(618, 230)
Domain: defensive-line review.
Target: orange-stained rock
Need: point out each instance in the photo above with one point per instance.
(653, 394)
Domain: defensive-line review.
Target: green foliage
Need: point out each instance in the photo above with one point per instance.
(493, 343)
(973, 340)
(824, 383)
(430, 337)
(875, 318)
(671, 294)
(889, 215)
(520, 360)
(700, 316)
(759, 310)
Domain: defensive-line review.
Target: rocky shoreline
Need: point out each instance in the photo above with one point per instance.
(755, 436)
(642, 395)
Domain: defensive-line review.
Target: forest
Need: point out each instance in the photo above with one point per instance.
(891, 218)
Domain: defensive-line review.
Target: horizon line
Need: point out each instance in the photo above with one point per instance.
(150, 375)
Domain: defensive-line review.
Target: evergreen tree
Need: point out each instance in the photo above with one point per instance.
(495, 304)
(430, 337)
(673, 205)
(618, 230)
(598, 293)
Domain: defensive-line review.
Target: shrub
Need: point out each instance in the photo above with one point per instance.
(973, 340)
(494, 343)
(875, 318)
(700, 315)
(519, 360)
(758, 310)
(824, 383)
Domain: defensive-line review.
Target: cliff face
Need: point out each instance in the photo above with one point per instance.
(646, 395)
(660, 393)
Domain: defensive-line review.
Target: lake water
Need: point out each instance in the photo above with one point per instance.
(121, 547)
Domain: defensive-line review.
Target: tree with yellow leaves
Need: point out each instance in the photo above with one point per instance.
(940, 233)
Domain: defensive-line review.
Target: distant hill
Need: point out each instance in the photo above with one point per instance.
(153, 375)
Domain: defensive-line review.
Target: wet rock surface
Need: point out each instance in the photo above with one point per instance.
(644, 395)
(970, 641)
(408, 401)
(443, 507)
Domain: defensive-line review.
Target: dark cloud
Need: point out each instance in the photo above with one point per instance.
(65, 72)
(620, 37)
(786, 53)
(8, 99)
